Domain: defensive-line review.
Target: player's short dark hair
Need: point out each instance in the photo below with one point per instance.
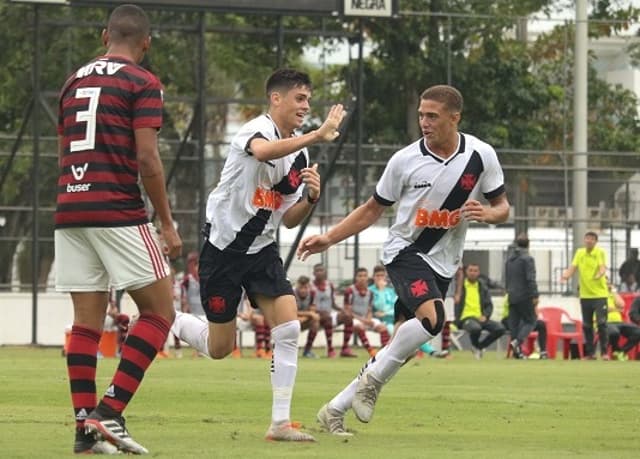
(287, 79)
(362, 270)
(303, 280)
(128, 23)
(522, 241)
(445, 94)
(318, 266)
(592, 234)
(379, 269)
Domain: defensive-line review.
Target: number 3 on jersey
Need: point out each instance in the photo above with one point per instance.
(87, 116)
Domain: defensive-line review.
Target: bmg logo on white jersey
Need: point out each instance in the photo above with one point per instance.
(78, 174)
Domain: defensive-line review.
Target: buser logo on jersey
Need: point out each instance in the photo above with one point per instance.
(267, 199)
(437, 218)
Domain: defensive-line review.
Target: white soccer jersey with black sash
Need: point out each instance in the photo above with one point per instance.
(247, 206)
(430, 191)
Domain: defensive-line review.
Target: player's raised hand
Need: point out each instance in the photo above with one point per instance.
(329, 129)
(311, 179)
(312, 244)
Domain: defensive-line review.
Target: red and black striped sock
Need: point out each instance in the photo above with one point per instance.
(267, 338)
(310, 337)
(446, 335)
(328, 331)
(363, 337)
(259, 329)
(81, 366)
(144, 341)
(348, 331)
(384, 337)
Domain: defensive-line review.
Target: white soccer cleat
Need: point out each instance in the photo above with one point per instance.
(284, 431)
(113, 431)
(332, 421)
(364, 400)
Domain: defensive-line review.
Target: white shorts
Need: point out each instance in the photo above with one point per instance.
(358, 323)
(91, 259)
(334, 316)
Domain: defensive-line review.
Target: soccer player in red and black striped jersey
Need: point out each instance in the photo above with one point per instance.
(110, 111)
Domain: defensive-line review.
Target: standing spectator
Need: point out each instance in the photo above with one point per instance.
(260, 186)
(629, 269)
(540, 327)
(358, 300)
(436, 181)
(384, 297)
(109, 114)
(591, 262)
(307, 314)
(473, 312)
(522, 288)
(330, 314)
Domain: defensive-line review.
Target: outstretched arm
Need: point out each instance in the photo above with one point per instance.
(359, 219)
(265, 150)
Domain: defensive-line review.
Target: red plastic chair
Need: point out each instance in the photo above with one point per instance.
(552, 317)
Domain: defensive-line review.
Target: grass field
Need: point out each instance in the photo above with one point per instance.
(458, 408)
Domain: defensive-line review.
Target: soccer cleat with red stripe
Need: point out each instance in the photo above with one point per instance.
(113, 431)
(285, 431)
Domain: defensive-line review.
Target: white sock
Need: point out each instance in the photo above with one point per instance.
(342, 401)
(408, 338)
(283, 368)
(192, 330)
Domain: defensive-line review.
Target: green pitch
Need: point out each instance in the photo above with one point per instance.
(458, 408)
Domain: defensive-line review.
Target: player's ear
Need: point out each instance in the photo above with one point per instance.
(105, 38)
(146, 44)
(275, 98)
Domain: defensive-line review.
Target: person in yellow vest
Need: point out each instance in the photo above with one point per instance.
(473, 312)
(616, 326)
(591, 263)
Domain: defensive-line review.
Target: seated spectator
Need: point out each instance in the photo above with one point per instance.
(114, 319)
(248, 319)
(330, 314)
(384, 297)
(473, 312)
(358, 300)
(307, 314)
(634, 311)
(617, 327)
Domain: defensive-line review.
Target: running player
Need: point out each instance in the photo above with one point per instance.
(261, 185)
(437, 182)
(109, 113)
